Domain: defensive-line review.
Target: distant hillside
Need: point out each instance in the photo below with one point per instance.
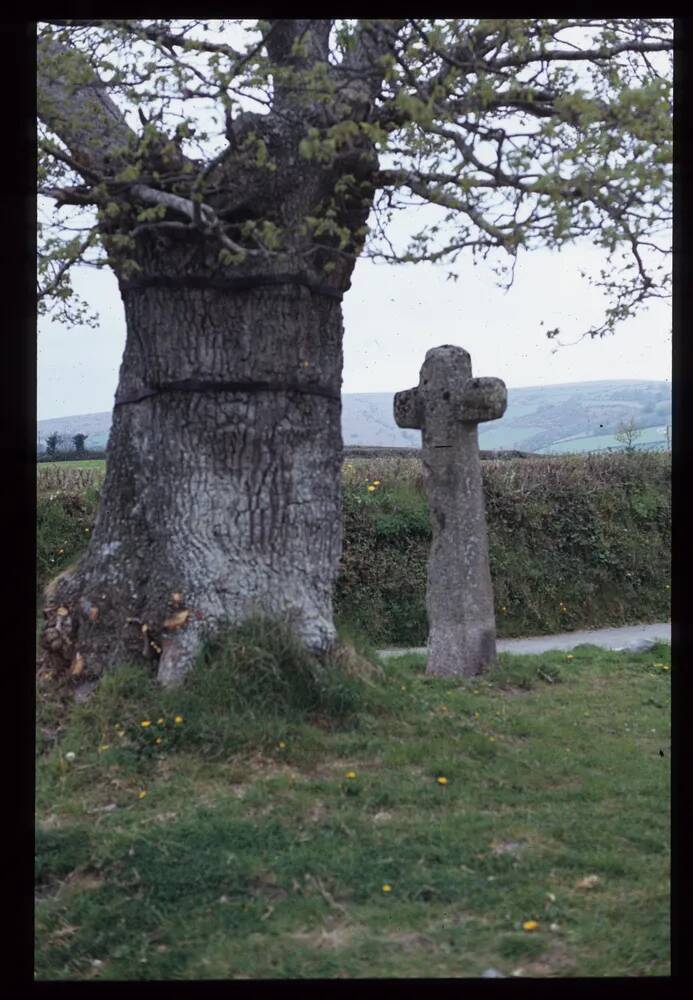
(578, 416)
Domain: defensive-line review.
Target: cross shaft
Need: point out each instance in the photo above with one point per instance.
(446, 406)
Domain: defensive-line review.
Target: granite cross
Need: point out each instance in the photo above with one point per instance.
(446, 406)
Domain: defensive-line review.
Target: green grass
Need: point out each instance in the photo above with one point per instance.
(253, 855)
(646, 435)
(98, 464)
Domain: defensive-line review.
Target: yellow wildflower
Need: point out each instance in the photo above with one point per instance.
(178, 719)
(350, 774)
(282, 745)
(530, 925)
(158, 739)
(376, 482)
(104, 746)
(145, 723)
(160, 722)
(141, 794)
(371, 489)
(387, 888)
(442, 781)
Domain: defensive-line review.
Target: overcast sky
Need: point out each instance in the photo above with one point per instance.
(392, 316)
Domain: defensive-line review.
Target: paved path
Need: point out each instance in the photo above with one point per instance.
(633, 637)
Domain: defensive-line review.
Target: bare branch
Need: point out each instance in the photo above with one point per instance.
(582, 55)
(208, 219)
(69, 195)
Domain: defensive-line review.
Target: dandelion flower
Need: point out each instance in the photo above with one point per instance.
(371, 489)
(530, 925)
(141, 794)
(376, 482)
(145, 723)
(160, 722)
(350, 774)
(158, 739)
(442, 781)
(281, 745)
(178, 719)
(387, 888)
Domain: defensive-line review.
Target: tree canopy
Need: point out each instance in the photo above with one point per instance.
(523, 133)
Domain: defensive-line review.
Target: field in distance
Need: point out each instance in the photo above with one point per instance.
(577, 416)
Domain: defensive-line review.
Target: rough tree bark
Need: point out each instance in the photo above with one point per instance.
(218, 500)
(229, 500)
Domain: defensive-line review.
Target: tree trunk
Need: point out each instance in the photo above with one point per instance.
(216, 503)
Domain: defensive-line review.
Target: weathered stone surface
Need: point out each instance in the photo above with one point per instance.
(447, 405)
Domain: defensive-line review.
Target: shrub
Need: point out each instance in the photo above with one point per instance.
(575, 541)
(63, 525)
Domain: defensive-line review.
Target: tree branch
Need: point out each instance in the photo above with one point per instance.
(362, 69)
(69, 195)
(54, 283)
(571, 55)
(73, 104)
(208, 222)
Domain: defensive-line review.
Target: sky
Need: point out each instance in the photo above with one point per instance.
(392, 315)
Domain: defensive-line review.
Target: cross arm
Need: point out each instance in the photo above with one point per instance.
(483, 399)
(409, 409)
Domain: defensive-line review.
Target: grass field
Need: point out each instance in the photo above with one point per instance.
(422, 828)
(648, 435)
(98, 464)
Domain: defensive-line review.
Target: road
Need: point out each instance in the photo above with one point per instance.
(631, 637)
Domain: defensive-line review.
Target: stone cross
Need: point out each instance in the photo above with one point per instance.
(446, 406)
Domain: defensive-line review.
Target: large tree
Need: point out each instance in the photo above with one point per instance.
(231, 175)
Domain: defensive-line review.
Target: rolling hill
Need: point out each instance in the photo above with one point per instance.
(577, 416)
